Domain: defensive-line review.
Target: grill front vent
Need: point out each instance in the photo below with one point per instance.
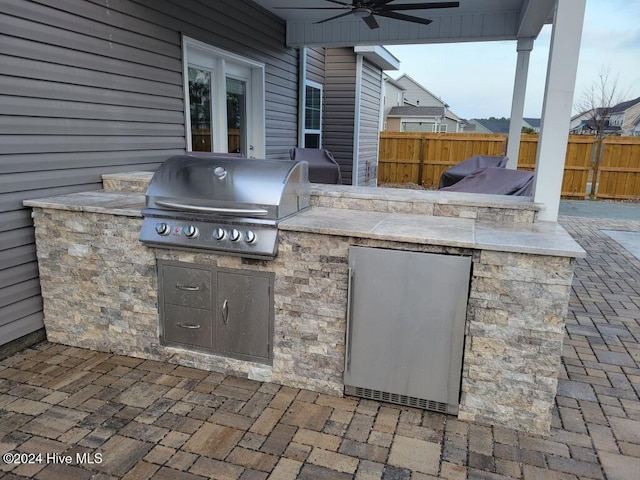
(398, 399)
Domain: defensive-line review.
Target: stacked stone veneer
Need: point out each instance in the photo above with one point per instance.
(385, 200)
(99, 286)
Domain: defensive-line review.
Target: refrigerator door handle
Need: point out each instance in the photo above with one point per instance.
(347, 357)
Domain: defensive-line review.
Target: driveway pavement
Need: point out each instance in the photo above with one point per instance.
(83, 414)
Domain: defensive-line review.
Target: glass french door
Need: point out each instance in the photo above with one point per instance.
(237, 116)
(224, 111)
(200, 109)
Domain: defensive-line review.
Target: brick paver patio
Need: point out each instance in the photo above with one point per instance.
(102, 416)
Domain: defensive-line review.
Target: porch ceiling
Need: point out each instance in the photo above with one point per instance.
(472, 21)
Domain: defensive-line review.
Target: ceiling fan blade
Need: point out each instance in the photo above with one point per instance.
(310, 8)
(371, 22)
(379, 3)
(344, 4)
(333, 18)
(421, 6)
(406, 18)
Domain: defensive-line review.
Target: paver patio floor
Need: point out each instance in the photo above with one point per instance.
(102, 416)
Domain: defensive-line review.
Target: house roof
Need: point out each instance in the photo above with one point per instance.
(496, 126)
(621, 107)
(414, 111)
(533, 122)
(389, 79)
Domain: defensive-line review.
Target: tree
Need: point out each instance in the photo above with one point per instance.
(597, 102)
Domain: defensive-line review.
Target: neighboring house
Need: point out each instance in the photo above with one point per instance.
(89, 89)
(484, 125)
(617, 120)
(533, 123)
(623, 115)
(636, 127)
(393, 97)
(478, 127)
(413, 108)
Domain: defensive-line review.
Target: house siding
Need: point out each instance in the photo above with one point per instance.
(316, 65)
(369, 126)
(88, 89)
(339, 113)
(416, 94)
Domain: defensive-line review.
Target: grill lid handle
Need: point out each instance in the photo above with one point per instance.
(220, 210)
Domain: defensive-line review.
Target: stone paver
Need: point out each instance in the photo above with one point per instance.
(99, 415)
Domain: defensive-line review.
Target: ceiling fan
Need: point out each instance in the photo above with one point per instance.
(366, 9)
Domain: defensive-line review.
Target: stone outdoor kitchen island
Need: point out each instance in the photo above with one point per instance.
(100, 286)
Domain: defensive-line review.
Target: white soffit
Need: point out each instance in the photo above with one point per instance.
(472, 21)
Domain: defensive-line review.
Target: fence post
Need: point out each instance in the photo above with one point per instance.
(596, 165)
(421, 161)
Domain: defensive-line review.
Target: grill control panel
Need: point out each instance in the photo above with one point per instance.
(251, 240)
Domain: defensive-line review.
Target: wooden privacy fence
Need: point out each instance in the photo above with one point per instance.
(421, 158)
(618, 168)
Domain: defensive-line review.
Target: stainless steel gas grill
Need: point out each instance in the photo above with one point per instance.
(222, 204)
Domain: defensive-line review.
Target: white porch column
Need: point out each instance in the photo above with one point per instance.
(556, 111)
(517, 104)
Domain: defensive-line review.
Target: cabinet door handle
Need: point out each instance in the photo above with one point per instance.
(189, 326)
(188, 288)
(225, 312)
(347, 358)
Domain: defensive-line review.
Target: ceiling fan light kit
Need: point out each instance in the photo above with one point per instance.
(368, 9)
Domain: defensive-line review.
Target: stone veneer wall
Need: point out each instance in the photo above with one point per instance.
(514, 332)
(99, 286)
(426, 207)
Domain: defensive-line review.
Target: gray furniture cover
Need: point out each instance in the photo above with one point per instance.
(468, 166)
(323, 168)
(499, 181)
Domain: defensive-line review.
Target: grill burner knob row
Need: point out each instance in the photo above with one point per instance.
(190, 231)
(234, 235)
(162, 229)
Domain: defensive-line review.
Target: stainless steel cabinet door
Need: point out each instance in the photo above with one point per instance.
(243, 317)
(405, 334)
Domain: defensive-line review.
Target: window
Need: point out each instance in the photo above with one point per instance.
(440, 128)
(312, 115)
(224, 101)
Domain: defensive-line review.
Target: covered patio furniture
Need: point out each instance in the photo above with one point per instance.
(468, 166)
(499, 181)
(323, 168)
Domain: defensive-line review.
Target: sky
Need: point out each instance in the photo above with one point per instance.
(476, 79)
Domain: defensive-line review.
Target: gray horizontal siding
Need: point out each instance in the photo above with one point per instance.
(339, 112)
(316, 65)
(89, 87)
(369, 127)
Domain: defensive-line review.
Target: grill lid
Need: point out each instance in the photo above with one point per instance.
(242, 187)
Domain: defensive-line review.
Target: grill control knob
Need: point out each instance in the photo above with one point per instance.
(250, 237)
(190, 231)
(219, 233)
(234, 236)
(162, 228)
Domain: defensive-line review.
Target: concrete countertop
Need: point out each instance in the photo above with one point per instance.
(96, 201)
(541, 238)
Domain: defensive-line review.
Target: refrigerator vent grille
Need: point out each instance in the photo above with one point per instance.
(399, 399)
